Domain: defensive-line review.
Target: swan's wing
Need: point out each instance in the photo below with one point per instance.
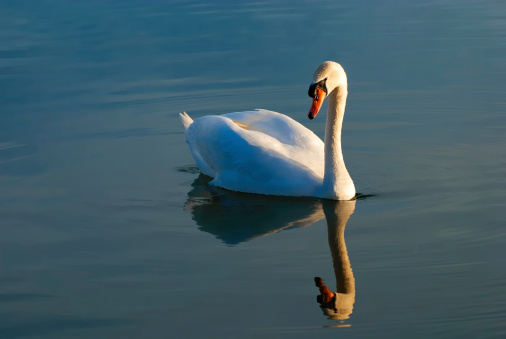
(278, 126)
(250, 160)
(307, 148)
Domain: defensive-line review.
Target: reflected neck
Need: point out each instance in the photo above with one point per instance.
(337, 183)
(337, 215)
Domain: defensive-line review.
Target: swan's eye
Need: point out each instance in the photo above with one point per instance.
(319, 85)
(323, 85)
(313, 87)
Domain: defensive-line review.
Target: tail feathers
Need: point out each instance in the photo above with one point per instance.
(186, 120)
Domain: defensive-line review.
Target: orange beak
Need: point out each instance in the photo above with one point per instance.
(317, 103)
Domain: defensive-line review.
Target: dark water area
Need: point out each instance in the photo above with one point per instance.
(107, 229)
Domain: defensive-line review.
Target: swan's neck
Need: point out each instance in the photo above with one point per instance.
(337, 183)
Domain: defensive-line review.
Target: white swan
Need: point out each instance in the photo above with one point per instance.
(270, 153)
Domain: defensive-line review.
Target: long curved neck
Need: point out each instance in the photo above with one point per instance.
(336, 179)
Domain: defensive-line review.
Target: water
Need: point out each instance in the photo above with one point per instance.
(108, 231)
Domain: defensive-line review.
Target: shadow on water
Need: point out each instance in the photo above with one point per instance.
(235, 217)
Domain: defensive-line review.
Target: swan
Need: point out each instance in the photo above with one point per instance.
(266, 152)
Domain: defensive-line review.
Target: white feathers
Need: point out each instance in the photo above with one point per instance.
(275, 155)
(186, 120)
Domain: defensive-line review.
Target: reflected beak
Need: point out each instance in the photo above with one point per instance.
(317, 103)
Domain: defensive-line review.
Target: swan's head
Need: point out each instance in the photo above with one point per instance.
(327, 77)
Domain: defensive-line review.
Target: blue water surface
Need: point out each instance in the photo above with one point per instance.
(107, 230)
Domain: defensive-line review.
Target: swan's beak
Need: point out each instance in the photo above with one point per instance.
(317, 103)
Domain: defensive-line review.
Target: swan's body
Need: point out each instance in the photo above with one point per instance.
(270, 153)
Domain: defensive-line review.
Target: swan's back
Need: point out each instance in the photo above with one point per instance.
(258, 152)
(279, 126)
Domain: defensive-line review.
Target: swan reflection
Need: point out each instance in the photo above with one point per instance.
(338, 305)
(235, 217)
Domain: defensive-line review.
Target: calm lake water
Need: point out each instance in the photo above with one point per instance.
(107, 230)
